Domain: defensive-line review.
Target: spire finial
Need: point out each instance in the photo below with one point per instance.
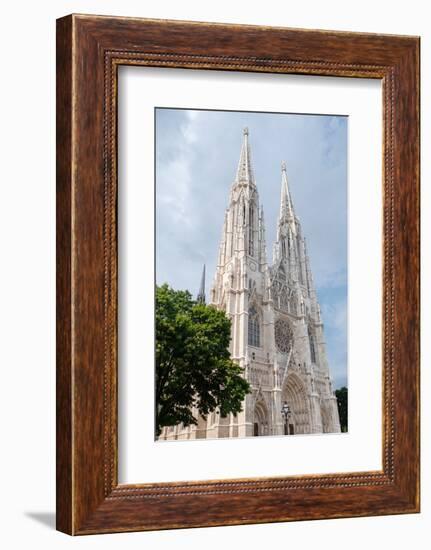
(245, 131)
(201, 295)
(283, 166)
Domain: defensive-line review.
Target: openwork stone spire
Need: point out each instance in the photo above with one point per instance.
(242, 251)
(289, 246)
(244, 173)
(286, 205)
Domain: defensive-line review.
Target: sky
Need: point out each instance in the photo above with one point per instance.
(197, 154)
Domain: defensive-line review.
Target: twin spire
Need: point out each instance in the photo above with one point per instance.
(244, 175)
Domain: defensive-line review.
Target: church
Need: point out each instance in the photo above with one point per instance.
(277, 328)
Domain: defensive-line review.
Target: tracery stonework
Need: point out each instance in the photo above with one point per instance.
(283, 336)
(277, 330)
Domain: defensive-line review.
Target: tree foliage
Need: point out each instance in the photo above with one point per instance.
(342, 401)
(193, 364)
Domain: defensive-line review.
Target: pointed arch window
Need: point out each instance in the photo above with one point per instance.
(312, 345)
(253, 328)
(251, 231)
(283, 248)
(299, 256)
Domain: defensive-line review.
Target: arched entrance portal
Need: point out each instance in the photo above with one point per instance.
(260, 419)
(295, 395)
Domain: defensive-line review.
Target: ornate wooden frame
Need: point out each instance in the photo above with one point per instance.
(89, 51)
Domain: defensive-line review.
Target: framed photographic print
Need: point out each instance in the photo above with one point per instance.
(237, 274)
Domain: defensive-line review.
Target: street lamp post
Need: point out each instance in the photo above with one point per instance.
(286, 412)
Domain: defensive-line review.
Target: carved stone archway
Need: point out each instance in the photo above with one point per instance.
(260, 418)
(295, 395)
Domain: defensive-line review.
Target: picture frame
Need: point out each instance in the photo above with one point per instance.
(89, 51)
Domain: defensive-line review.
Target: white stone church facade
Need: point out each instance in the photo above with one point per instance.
(277, 329)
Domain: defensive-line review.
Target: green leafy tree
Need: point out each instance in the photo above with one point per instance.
(193, 364)
(342, 400)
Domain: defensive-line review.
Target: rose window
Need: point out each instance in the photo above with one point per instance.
(283, 336)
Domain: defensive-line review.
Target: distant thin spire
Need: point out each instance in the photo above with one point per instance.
(286, 204)
(201, 295)
(244, 171)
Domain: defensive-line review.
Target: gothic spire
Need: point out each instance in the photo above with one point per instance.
(201, 295)
(286, 204)
(244, 173)
(288, 244)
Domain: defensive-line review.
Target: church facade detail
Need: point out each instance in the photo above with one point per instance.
(277, 329)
